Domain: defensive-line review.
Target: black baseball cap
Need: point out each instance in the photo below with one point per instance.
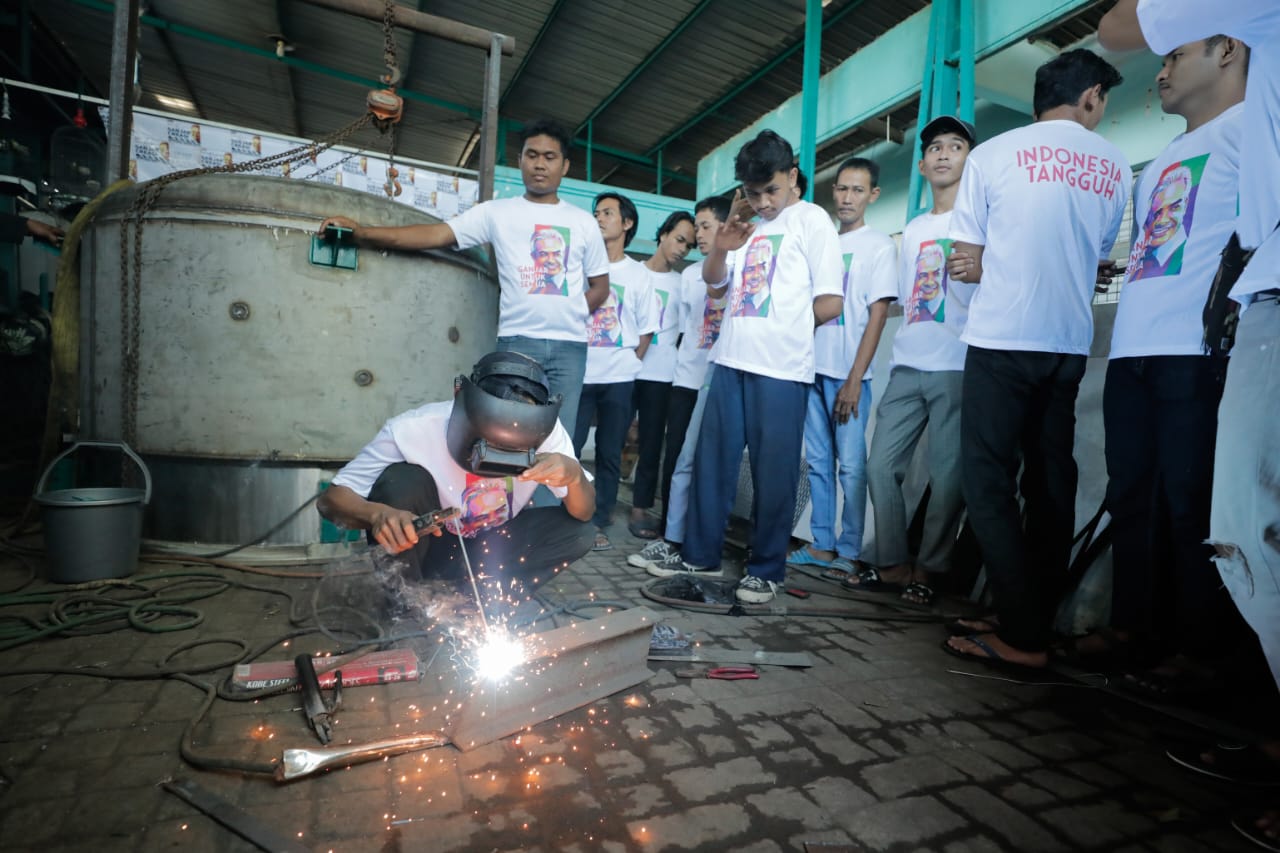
(948, 124)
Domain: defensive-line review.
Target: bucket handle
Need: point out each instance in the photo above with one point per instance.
(146, 474)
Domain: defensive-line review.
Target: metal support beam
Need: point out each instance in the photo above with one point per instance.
(300, 64)
(124, 54)
(420, 22)
(489, 124)
(811, 79)
(24, 38)
(533, 47)
(747, 83)
(172, 55)
(283, 28)
(645, 63)
(658, 189)
(591, 127)
(948, 84)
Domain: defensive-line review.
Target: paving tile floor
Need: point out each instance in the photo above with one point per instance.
(884, 744)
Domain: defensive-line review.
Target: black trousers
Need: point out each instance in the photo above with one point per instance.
(1018, 408)
(649, 400)
(527, 550)
(1161, 417)
(679, 414)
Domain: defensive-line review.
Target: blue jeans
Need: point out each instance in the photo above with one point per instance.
(834, 449)
(565, 363)
(610, 403)
(677, 506)
(766, 416)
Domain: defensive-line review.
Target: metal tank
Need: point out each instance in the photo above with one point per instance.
(262, 371)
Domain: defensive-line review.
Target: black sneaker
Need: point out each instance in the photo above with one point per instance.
(674, 564)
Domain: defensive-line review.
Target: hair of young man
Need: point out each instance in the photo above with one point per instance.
(717, 204)
(1213, 41)
(871, 167)
(628, 211)
(802, 181)
(669, 224)
(763, 157)
(547, 127)
(1061, 81)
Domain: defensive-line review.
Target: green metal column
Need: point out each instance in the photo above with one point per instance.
(591, 134)
(947, 87)
(809, 101)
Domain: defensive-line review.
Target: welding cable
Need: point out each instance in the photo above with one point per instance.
(787, 608)
(277, 527)
(25, 561)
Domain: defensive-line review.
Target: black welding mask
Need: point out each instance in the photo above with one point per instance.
(501, 415)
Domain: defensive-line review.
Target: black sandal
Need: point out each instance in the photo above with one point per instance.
(919, 593)
(869, 580)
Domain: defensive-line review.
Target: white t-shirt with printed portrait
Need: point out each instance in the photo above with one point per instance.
(545, 253)
(786, 263)
(659, 363)
(418, 436)
(1184, 207)
(1166, 24)
(700, 334)
(934, 308)
(1046, 200)
(869, 273)
(614, 329)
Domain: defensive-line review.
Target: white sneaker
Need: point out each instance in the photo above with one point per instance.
(674, 564)
(754, 590)
(655, 552)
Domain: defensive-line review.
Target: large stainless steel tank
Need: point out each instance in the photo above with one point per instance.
(260, 371)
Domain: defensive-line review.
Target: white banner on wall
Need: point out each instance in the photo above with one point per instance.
(163, 144)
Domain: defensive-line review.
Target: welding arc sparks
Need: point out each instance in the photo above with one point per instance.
(498, 656)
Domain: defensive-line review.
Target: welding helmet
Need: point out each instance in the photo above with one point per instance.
(501, 415)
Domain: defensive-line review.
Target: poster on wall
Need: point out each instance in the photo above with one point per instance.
(163, 144)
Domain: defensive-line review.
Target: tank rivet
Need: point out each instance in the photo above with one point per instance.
(454, 334)
(239, 310)
(363, 378)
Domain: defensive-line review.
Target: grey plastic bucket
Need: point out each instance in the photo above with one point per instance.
(92, 533)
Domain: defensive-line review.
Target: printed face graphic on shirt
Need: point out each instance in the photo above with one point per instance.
(605, 324)
(753, 297)
(486, 503)
(847, 261)
(712, 317)
(663, 297)
(1158, 251)
(547, 246)
(929, 289)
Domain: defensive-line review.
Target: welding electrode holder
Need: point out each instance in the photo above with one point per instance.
(428, 522)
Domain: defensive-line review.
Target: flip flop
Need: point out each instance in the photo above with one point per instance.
(840, 569)
(869, 580)
(802, 557)
(1241, 764)
(602, 542)
(919, 594)
(1247, 825)
(991, 657)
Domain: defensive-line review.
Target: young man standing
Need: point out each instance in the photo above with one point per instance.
(653, 386)
(783, 277)
(925, 381)
(839, 401)
(1160, 405)
(552, 267)
(703, 315)
(1029, 329)
(619, 332)
(1246, 487)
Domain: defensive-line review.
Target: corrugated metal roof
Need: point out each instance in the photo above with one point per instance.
(587, 50)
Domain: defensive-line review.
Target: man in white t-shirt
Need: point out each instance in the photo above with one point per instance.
(783, 277)
(925, 381)
(619, 335)
(1246, 488)
(839, 401)
(703, 315)
(1038, 209)
(552, 267)
(652, 395)
(483, 452)
(1160, 404)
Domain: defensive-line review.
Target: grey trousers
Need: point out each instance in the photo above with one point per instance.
(913, 400)
(1244, 526)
